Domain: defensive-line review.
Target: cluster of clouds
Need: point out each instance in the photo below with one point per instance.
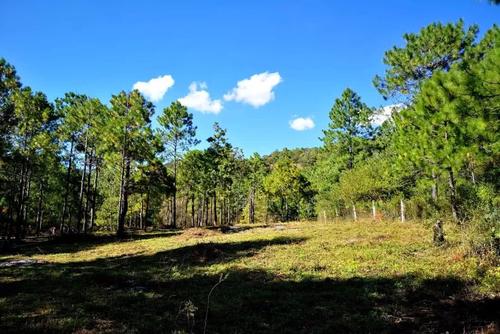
(155, 88)
(383, 114)
(199, 99)
(255, 91)
(302, 123)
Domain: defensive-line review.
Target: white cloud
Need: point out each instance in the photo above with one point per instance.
(199, 99)
(256, 90)
(302, 123)
(383, 114)
(155, 88)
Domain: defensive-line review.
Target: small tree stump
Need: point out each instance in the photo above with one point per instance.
(438, 237)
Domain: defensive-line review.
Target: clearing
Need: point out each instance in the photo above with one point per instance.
(304, 277)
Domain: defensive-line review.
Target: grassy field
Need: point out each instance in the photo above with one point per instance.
(291, 278)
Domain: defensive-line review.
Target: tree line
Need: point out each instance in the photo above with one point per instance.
(75, 165)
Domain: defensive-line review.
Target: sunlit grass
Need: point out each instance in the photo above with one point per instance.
(87, 284)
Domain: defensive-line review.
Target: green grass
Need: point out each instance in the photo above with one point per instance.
(297, 278)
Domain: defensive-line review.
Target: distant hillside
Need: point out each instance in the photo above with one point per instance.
(303, 157)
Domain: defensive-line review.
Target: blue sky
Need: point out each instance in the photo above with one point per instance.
(290, 58)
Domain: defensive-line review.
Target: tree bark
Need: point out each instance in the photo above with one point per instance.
(39, 210)
(66, 193)
(215, 209)
(402, 210)
(453, 194)
(86, 214)
(192, 211)
(434, 189)
(354, 213)
(251, 208)
(94, 195)
(82, 185)
(174, 208)
(122, 214)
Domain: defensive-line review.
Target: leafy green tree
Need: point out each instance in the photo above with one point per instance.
(289, 192)
(128, 134)
(436, 47)
(178, 134)
(35, 121)
(9, 84)
(452, 125)
(257, 171)
(349, 129)
(220, 152)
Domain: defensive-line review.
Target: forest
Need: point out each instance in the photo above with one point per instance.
(77, 169)
(77, 165)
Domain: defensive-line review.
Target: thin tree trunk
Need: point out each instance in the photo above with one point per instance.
(82, 185)
(94, 195)
(20, 201)
(39, 210)
(251, 208)
(374, 210)
(192, 211)
(453, 194)
(174, 208)
(214, 208)
(286, 210)
(146, 213)
(122, 210)
(402, 210)
(434, 189)
(86, 214)
(25, 205)
(141, 214)
(66, 193)
(186, 206)
(354, 213)
(206, 204)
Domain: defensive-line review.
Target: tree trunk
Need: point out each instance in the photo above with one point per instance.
(354, 213)
(192, 211)
(82, 185)
(251, 208)
(86, 213)
(215, 209)
(21, 200)
(206, 202)
(94, 195)
(39, 210)
(24, 219)
(374, 210)
(122, 214)
(66, 193)
(402, 210)
(453, 194)
(174, 209)
(186, 206)
(286, 210)
(434, 189)
(146, 213)
(141, 215)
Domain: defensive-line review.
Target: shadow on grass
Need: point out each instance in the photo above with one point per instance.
(77, 243)
(147, 294)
